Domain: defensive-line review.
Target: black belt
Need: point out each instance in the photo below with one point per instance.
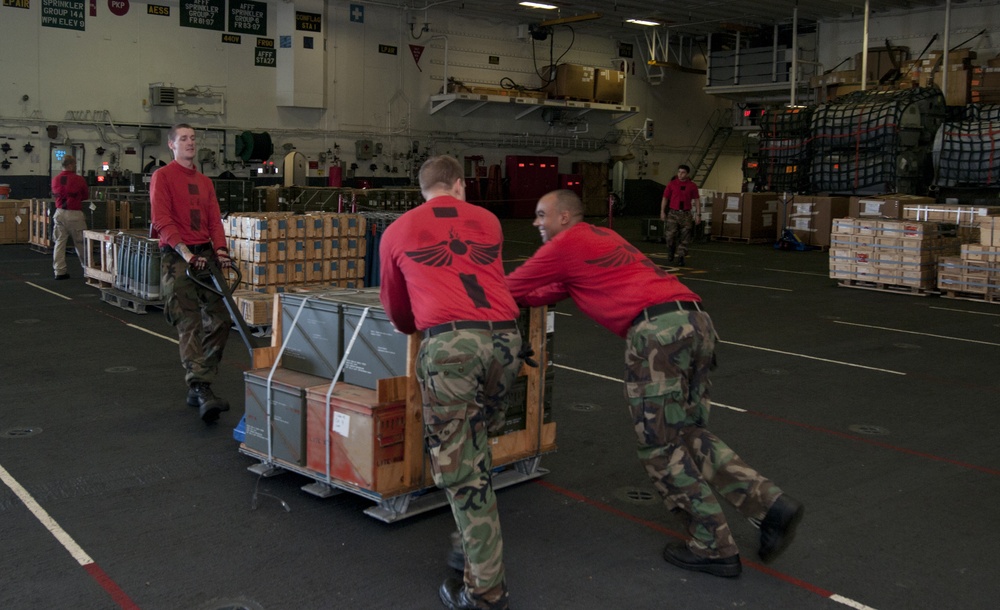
(470, 325)
(195, 249)
(654, 310)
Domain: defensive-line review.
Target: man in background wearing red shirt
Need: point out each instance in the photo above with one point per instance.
(442, 275)
(185, 215)
(670, 345)
(69, 190)
(680, 209)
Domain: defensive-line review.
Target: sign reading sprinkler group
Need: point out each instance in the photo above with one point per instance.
(66, 14)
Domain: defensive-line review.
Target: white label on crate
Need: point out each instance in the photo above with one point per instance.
(342, 424)
(93, 206)
(733, 203)
(550, 322)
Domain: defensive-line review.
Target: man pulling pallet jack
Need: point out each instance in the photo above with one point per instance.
(186, 219)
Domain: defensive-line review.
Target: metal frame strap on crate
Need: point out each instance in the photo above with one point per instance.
(333, 383)
(270, 376)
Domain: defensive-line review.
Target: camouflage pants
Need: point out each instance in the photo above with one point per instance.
(678, 222)
(667, 383)
(200, 317)
(463, 376)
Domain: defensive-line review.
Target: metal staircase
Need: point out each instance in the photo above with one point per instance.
(710, 144)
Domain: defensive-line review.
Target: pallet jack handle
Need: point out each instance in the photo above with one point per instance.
(222, 287)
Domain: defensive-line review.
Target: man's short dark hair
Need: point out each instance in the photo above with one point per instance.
(173, 130)
(684, 167)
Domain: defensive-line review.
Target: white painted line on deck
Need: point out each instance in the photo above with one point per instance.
(582, 372)
(850, 602)
(913, 332)
(172, 340)
(50, 524)
(61, 296)
(699, 279)
(797, 272)
(562, 313)
(840, 362)
(731, 408)
(975, 313)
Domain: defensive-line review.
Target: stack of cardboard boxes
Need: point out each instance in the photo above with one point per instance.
(746, 216)
(976, 271)
(281, 249)
(585, 83)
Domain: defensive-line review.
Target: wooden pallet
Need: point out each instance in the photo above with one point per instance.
(96, 282)
(893, 288)
(128, 302)
(742, 240)
(972, 296)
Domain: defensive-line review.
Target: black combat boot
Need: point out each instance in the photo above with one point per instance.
(209, 405)
(456, 596)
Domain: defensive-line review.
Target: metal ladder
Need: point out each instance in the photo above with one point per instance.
(710, 144)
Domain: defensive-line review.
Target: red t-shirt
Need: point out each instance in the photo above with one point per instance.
(607, 277)
(680, 194)
(69, 190)
(184, 209)
(441, 262)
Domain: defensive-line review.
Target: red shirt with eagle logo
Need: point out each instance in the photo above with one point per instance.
(440, 262)
(607, 277)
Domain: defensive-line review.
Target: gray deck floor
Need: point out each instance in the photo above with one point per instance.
(879, 411)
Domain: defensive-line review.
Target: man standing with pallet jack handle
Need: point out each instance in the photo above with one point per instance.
(186, 217)
(670, 345)
(442, 275)
(680, 209)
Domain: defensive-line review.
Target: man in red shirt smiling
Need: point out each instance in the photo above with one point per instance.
(670, 347)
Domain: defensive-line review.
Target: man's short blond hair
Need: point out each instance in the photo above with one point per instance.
(441, 170)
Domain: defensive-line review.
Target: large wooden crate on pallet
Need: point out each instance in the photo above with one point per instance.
(99, 263)
(374, 437)
(40, 229)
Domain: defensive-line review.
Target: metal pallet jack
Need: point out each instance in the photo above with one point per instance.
(517, 456)
(789, 240)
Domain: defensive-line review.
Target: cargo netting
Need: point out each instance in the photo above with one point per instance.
(784, 165)
(970, 154)
(787, 123)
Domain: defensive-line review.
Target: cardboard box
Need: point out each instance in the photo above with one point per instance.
(760, 215)
(811, 218)
(884, 206)
(15, 216)
(948, 213)
(609, 86)
(721, 205)
(570, 81)
(881, 61)
(364, 437)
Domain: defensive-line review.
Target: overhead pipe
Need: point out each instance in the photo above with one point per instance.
(947, 47)
(864, 49)
(793, 77)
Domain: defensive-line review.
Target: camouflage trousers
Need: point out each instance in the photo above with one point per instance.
(463, 377)
(200, 317)
(667, 363)
(680, 224)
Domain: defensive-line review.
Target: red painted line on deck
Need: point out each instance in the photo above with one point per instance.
(116, 593)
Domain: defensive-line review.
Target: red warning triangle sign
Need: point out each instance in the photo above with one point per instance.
(417, 51)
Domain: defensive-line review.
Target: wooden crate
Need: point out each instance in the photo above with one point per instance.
(99, 261)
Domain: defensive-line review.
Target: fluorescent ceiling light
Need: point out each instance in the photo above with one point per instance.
(641, 22)
(547, 7)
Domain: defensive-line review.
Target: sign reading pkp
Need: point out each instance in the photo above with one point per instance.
(118, 7)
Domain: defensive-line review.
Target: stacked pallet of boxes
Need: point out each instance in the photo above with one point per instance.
(882, 253)
(747, 217)
(364, 432)
(896, 240)
(975, 272)
(15, 218)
